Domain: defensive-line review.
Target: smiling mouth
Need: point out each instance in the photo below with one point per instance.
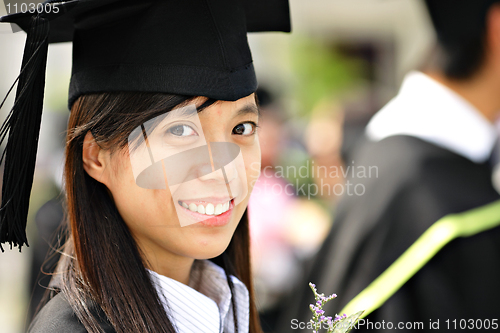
(207, 208)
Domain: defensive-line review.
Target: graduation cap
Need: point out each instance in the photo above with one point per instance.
(186, 47)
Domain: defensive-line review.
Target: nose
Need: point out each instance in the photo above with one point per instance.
(223, 174)
(222, 156)
(205, 172)
(231, 171)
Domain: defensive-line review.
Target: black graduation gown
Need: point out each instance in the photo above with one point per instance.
(57, 316)
(417, 184)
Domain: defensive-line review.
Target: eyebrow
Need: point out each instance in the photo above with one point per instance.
(248, 108)
(185, 112)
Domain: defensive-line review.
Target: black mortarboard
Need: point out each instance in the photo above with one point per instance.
(186, 47)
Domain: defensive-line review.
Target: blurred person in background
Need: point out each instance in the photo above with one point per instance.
(433, 147)
(50, 237)
(46, 251)
(323, 139)
(285, 230)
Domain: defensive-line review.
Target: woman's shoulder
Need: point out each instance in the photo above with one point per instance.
(58, 316)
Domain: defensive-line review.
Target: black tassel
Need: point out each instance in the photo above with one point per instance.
(23, 126)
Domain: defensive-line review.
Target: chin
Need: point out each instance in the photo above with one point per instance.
(211, 248)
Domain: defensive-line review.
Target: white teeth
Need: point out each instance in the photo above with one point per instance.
(193, 207)
(210, 209)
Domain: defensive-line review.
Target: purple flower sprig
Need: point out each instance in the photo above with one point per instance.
(341, 323)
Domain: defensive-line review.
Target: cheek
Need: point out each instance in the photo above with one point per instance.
(252, 158)
(136, 205)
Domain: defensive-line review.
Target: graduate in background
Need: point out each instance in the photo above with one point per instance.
(432, 147)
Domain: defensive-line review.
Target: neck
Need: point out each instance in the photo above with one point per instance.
(482, 91)
(168, 264)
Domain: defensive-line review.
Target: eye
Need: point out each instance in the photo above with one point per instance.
(181, 130)
(244, 129)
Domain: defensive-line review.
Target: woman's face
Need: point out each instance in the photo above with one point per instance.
(172, 192)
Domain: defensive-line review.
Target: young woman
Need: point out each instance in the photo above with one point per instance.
(125, 239)
(160, 163)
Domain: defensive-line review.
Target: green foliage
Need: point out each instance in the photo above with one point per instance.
(321, 72)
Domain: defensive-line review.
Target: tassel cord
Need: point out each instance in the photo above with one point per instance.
(23, 127)
(4, 129)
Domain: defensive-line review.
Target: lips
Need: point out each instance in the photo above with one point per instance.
(206, 208)
(222, 212)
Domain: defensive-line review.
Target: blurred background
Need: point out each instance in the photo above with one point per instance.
(319, 86)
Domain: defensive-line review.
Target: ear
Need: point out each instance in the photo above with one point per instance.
(94, 161)
(493, 30)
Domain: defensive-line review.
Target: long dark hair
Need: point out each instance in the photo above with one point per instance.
(102, 264)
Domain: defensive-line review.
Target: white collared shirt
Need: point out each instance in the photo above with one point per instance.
(204, 305)
(426, 109)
